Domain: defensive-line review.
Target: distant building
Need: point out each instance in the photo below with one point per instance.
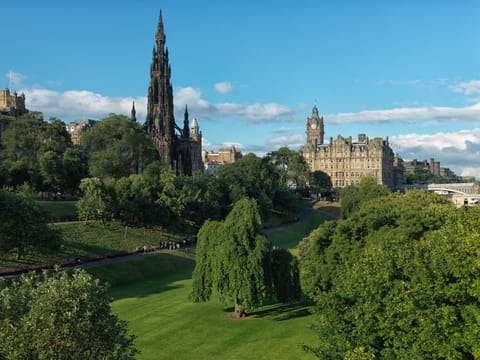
(346, 160)
(11, 107)
(213, 160)
(433, 167)
(77, 128)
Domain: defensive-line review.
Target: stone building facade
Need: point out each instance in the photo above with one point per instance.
(11, 107)
(346, 160)
(213, 160)
(180, 148)
(77, 128)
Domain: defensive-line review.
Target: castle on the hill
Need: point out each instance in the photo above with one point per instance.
(346, 160)
(181, 148)
(11, 107)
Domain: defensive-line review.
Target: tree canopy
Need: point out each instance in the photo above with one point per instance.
(397, 279)
(293, 169)
(60, 316)
(235, 259)
(24, 223)
(33, 152)
(353, 196)
(117, 147)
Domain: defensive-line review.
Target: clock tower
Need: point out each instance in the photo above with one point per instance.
(315, 131)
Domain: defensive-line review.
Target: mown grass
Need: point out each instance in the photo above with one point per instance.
(288, 236)
(151, 293)
(60, 210)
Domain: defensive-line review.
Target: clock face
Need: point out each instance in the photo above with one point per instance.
(313, 125)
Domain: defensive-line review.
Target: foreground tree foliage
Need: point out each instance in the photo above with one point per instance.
(60, 316)
(398, 279)
(236, 260)
(24, 224)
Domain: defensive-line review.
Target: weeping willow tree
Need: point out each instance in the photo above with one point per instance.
(238, 262)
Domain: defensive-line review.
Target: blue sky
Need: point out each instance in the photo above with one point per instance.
(251, 71)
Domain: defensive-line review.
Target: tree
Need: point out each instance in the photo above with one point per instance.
(118, 147)
(235, 259)
(251, 177)
(320, 182)
(24, 224)
(353, 196)
(33, 151)
(294, 170)
(97, 202)
(60, 316)
(398, 279)
(75, 168)
(22, 141)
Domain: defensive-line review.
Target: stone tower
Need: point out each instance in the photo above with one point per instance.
(174, 144)
(315, 129)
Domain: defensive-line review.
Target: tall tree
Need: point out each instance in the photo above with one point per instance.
(33, 152)
(252, 177)
(235, 259)
(118, 147)
(97, 202)
(60, 316)
(24, 224)
(320, 182)
(294, 171)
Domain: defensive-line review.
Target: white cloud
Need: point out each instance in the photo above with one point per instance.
(469, 113)
(459, 151)
(223, 87)
(292, 141)
(15, 80)
(282, 130)
(470, 88)
(253, 113)
(79, 103)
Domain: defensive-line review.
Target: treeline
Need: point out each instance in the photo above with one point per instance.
(396, 278)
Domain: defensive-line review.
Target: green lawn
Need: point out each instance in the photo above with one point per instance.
(60, 210)
(151, 293)
(290, 235)
(94, 239)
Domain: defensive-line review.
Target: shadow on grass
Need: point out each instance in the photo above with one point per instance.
(145, 275)
(281, 312)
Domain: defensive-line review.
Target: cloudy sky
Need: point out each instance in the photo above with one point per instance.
(250, 71)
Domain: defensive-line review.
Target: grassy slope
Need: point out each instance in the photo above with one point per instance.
(289, 236)
(152, 294)
(84, 241)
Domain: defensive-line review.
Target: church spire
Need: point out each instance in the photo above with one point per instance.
(133, 115)
(186, 128)
(160, 32)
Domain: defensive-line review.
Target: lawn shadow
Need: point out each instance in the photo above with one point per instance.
(281, 311)
(144, 275)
